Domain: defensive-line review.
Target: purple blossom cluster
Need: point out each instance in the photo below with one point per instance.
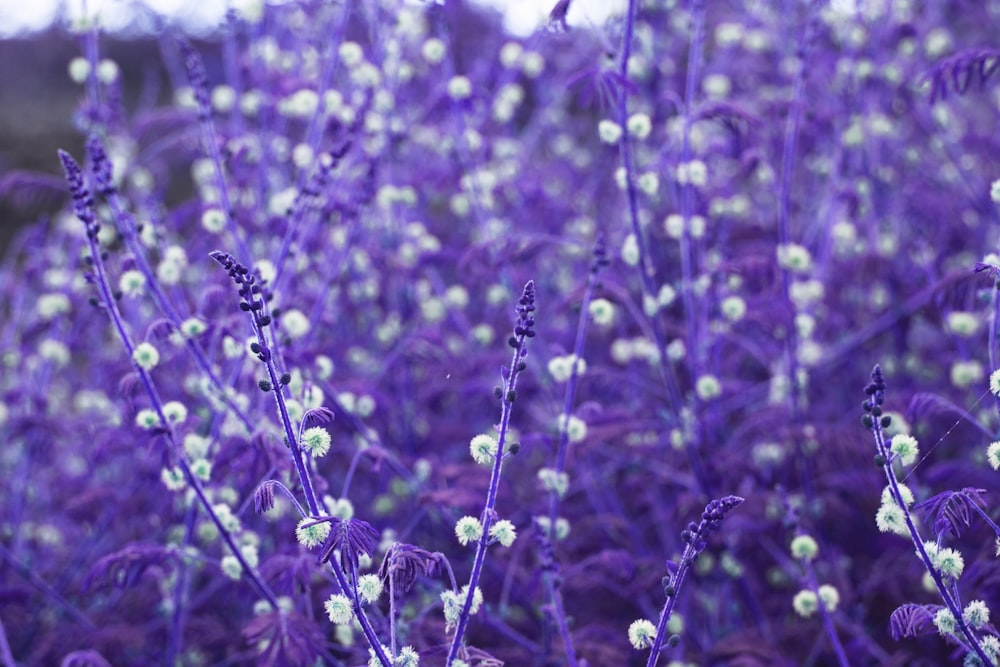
(391, 339)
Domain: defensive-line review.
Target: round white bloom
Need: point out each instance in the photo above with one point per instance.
(370, 588)
(993, 455)
(192, 327)
(733, 308)
(175, 412)
(483, 448)
(339, 609)
(213, 220)
(639, 125)
(602, 312)
(945, 622)
(351, 54)
(316, 440)
(107, 71)
(708, 387)
(805, 603)
(891, 519)
(510, 54)
(145, 356)
(468, 529)
(609, 131)
(79, 69)
(433, 50)
(976, 614)
(503, 531)
(641, 634)
(459, 88)
(995, 383)
(311, 534)
(966, 373)
(804, 547)
(905, 447)
(295, 323)
(830, 597)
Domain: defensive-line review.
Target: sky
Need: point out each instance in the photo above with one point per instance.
(19, 16)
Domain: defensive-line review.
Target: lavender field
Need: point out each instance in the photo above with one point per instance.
(367, 334)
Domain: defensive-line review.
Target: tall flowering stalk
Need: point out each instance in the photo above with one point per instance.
(491, 529)
(83, 204)
(695, 538)
(894, 515)
(350, 537)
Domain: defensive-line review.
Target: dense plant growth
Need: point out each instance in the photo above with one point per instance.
(391, 339)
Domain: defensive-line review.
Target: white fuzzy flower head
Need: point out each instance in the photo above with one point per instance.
(995, 383)
(339, 609)
(630, 250)
(639, 125)
(641, 634)
(574, 428)
(295, 323)
(192, 327)
(976, 614)
(609, 131)
(561, 368)
(408, 657)
(311, 534)
(995, 191)
(468, 529)
(794, 257)
(966, 373)
(733, 308)
(231, 567)
(483, 448)
(602, 312)
(145, 356)
(552, 481)
(453, 603)
(945, 622)
(708, 387)
(459, 88)
(316, 440)
(147, 419)
(213, 220)
(370, 588)
(79, 69)
(804, 547)
(905, 447)
(904, 491)
(993, 455)
(51, 306)
(175, 412)
(649, 183)
(132, 283)
(962, 323)
(351, 54)
(433, 50)
(829, 596)
(890, 518)
(173, 479)
(503, 531)
(805, 603)
(949, 563)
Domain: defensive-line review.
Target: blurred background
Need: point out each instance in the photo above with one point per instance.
(38, 99)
